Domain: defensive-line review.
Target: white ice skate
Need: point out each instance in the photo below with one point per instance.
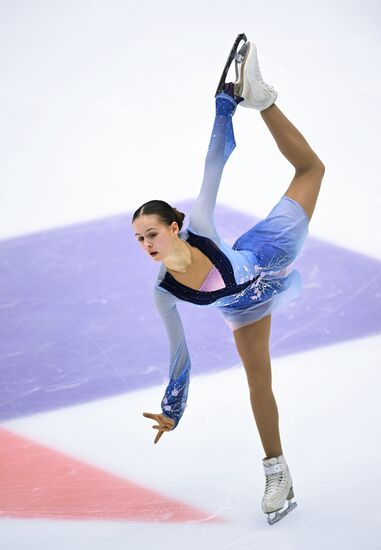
(278, 489)
(249, 83)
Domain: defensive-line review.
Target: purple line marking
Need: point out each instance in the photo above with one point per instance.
(78, 321)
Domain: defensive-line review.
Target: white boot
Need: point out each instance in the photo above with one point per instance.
(249, 83)
(278, 489)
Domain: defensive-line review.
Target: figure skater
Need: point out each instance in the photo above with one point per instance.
(246, 281)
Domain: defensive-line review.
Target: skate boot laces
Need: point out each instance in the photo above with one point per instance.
(259, 78)
(275, 484)
(276, 477)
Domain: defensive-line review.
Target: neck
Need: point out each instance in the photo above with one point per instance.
(181, 259)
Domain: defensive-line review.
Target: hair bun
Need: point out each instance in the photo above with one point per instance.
(179, 215)
(165, 212)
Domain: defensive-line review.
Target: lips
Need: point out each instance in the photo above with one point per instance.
(153, 253)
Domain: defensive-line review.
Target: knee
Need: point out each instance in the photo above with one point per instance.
(314, 165)
(319, 165)
(320, 170)
(259, 379)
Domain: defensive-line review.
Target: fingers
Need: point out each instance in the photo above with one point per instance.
(228, 88)
(164, 424)
(158, 436)
(164, 421)
(164, 428)
(168, 421)
(167, 424)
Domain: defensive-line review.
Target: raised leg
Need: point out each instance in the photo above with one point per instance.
(252, 343)
(309, 169)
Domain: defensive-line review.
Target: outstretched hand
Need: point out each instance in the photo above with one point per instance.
(164, 424)
(228, 88)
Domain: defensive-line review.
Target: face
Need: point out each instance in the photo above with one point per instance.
(155, 237)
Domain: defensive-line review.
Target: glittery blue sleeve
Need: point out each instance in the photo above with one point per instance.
(221, 145)
(176, 393)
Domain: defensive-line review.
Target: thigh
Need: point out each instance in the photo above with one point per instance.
(252, 343)
(305, 188)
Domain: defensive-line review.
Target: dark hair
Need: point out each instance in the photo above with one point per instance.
(164, 211)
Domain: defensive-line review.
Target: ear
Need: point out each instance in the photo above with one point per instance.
(175, 228)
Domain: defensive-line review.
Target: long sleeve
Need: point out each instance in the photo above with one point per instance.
(176, 393)
(221, 145)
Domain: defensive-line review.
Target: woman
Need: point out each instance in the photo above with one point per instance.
(247, 281)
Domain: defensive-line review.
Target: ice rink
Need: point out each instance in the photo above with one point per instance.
(104, 106)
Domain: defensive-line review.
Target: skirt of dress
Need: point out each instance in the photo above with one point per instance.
(277, 239)
(275, 242)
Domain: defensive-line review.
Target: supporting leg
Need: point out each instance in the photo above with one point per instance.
(252, 343)
(309, 169)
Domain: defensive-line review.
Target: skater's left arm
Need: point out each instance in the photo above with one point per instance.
(175, 398)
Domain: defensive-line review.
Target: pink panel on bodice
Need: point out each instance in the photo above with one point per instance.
(213, 281)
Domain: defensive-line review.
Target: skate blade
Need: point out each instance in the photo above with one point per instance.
(240, 61)
(229, 61)
(274, 517)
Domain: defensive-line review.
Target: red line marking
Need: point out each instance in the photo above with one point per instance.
(37, 481)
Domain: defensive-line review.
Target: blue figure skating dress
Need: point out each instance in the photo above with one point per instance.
(249, 280)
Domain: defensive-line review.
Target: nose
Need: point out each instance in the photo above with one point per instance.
(147, 245)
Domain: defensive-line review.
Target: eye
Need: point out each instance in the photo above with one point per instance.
(151, 235)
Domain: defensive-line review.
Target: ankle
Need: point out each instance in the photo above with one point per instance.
(273, 454)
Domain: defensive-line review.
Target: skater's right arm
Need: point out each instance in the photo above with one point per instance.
(221, 145)
(176, 393)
